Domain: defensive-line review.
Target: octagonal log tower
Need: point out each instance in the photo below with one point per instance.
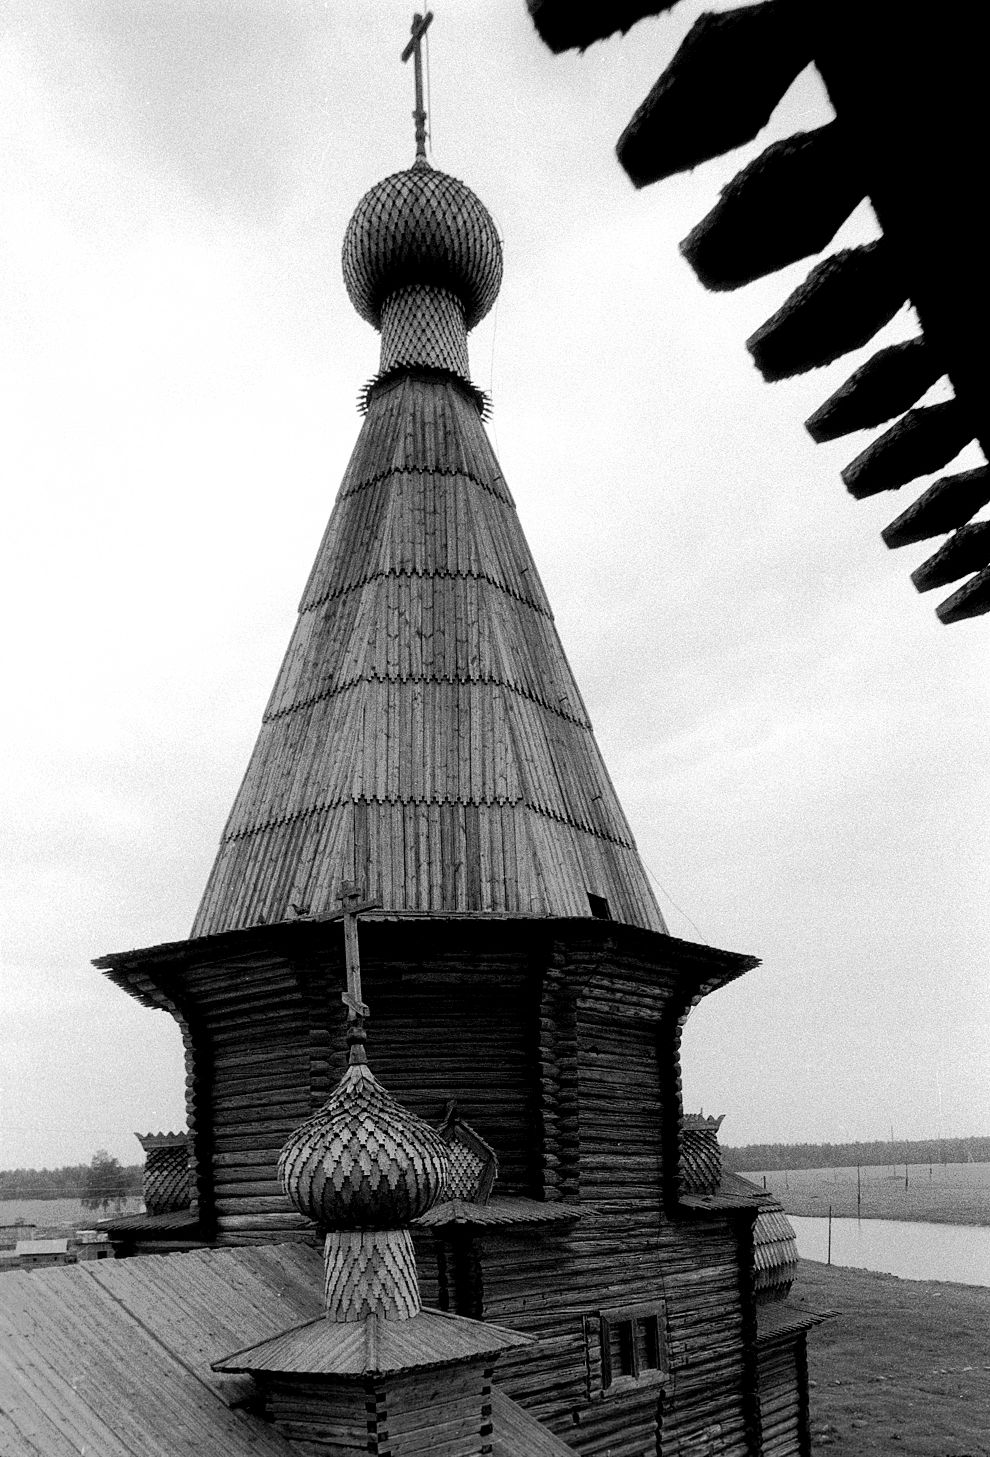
(426, 741)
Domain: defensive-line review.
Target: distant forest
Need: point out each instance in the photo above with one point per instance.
(74, 1180)
(71, 1182)
(756, 1157)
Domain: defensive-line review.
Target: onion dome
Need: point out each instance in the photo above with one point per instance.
(427, 228)
(363, 1161)
(166, 1172)
(701, 1156)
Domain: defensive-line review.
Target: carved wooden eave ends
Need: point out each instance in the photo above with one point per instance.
(909, 136)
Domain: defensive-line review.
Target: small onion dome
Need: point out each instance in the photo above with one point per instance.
(423, 227)
(363, 1161)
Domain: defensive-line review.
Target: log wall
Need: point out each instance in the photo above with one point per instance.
(561, 1050)
(626, 1249)
(783, 1397)
(255, 1029)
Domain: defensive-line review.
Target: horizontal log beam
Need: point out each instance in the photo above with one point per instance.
(746, 58)
(971, 600)
(947, 504)
(786, 205)
(921, 441)
(840, 306)
(966, 551)
(565, 25)
(885, 386)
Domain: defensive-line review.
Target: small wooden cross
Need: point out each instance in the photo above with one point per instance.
(352, 904)
(420, 25)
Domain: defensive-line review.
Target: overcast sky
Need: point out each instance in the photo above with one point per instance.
(799, 745)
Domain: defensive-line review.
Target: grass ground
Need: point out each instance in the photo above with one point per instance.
(903, 1367)
(957, 1194)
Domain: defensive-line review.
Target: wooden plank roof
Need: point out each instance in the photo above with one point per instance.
(112, 1357)
(323, 1347)
(425, 736)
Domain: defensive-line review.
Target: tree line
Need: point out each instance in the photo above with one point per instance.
(102, 1182)
(759, 1156)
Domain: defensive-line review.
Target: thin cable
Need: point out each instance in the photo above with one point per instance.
(491, 375)
(429, 100)
(677, 908)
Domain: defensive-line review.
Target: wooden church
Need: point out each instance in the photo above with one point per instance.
(426, 831)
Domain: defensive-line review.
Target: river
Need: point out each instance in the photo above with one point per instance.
(956, 1252)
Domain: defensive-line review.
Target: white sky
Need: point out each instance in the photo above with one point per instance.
(799, 745)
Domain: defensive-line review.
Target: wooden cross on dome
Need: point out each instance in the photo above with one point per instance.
(352, 903)
(420, 25)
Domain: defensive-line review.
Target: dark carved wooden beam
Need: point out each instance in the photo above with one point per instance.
(949, 503)
(967, 550)
(840, 306)
(718, 91)
(885, 386)
(920, 441)
(972, 599)
(908, 88)
(786, 205)
(909, 83)
(566, 25)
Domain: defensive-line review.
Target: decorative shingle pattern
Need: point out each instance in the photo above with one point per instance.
(701, 1157)
(466, 1169)
(371, 1272)
(166, 1172)
(421, 227)
(424, 326)
(363, 1161)
(775, 1254)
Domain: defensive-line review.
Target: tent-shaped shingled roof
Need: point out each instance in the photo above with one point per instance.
(425, 735)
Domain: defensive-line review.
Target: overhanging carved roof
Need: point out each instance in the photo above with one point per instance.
(910, 132)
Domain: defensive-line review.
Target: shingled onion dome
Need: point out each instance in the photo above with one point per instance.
(166, 1172)
(362, 1169)
(422, 262)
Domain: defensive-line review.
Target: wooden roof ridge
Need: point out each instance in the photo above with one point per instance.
(425, 734)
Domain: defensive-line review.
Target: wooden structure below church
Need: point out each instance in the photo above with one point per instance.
(114, 1358)
(559, 1041)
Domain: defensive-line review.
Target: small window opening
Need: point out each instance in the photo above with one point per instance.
(623, 1349)
(648, 1335)
(632, 1344)
(599, 907)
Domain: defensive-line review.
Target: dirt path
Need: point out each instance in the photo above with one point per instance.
(903, 1368)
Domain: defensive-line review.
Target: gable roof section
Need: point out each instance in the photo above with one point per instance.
(113, 1357)
(425, 735)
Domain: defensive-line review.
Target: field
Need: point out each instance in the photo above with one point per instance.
(935, 1193)
(51, 1217)
(903, 1367)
